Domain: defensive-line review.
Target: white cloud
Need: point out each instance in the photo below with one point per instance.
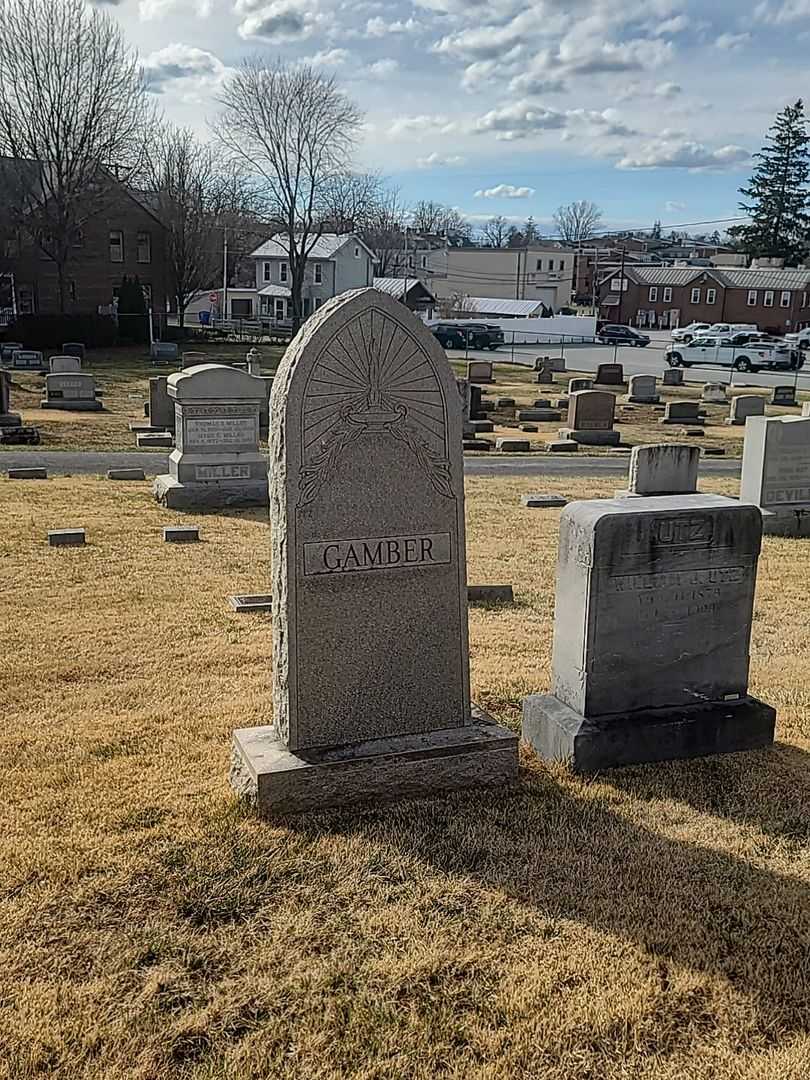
(519, 120)
(159, 9)
(732, 42)
(670, 152)
(280, 20)
(667, 90)
(674, 207)
(435, 161)
(787, 12)
(488, 42)
(328, 58)
(378, 27)
(505, 191)
(381, 69)
(422, 125)
(186, 68)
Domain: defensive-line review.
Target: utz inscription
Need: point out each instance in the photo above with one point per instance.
(377, 553)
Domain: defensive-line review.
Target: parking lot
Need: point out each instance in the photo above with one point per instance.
(647, 361)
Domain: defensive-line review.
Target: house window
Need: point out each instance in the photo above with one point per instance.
(318, 273)
(410, 262)
(279, 309)
(357, 252)
(116, 246)
(768, 298)
(752, 298)
(551, 264)
(424, 262)
(668, 295)
(144, 247)
(784, 300)
(242, 309)
(653, 294)
(695, 298)
(266, 271)
(318, 301)
(711, 296)
(562, 264)
(539, 264)
(282, 272)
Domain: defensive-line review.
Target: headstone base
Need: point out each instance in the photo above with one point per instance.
(10, 420)
(176, 496)
(558, 733)
(78, 405)
(644, 400)
(786, 522)
(282, 781)
(591, 438)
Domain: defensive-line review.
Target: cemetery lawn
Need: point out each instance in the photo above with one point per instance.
(650, 923)
(123, 375)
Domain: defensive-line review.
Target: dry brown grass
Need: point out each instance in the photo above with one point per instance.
(652, 923)
(123, 376)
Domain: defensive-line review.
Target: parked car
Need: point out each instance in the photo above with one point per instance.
(801, 339)
(616, 334)
(733, 328)
(457, 335)
(686, 333)
(714, 351)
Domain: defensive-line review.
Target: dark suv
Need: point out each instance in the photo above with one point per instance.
(457, 335)
(616, 334)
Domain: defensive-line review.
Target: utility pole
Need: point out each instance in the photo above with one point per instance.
(621, 288)
(225, 273)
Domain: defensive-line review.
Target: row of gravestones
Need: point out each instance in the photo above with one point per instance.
(371, 688)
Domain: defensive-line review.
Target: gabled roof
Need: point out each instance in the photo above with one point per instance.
(488, 305)
(396, 287)
(727, 277)
(325, 248)
(765, 278)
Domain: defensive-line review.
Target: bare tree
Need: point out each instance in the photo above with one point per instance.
(577, 221)
(72, 114)
(198, 197)
(384, 233)
(352, 201)
(496, 232)
(294, 131)
(434, 219)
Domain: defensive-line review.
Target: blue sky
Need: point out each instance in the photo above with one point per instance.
(650, 108)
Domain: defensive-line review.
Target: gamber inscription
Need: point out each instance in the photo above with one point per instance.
(377, 553)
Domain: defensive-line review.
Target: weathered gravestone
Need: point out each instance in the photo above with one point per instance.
(217, 461)
(193, 359)
(163, 352)
(74, 392)
(662, 469)
(8, 419)
(672, 377)
(479, 371)
(651, 635)
(64, 365)
(610, 375)
(785, 396)
(681, 412)
(776, 472)
(590, 419)
(370, 657)
(7, 350)
(27, 360)
(743, 406)
(642, 390)
(253, 363)
(579, 384)
(73, 348)
(545, 375)
(477, 411)
(161, 406)
(714, 393)
(806, 409)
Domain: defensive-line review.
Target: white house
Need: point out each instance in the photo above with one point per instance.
(336, 264)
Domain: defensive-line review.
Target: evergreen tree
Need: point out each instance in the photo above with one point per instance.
(655, 234)
(777, 194)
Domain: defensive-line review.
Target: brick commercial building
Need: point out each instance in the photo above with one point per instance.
(664, 297)
(122, 237)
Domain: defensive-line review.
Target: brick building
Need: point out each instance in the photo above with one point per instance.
(664, 297)
(123, 237)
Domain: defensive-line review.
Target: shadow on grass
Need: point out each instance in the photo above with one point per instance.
(570, 856)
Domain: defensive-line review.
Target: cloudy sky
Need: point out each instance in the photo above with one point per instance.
(651, 108)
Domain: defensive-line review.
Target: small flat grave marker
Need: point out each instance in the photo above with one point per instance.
(181, 534)
(66, 537)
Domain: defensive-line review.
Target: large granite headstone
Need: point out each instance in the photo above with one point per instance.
(590, 418)
(651, 634)
(714, 393)
(743, 406)
(681, 412)
(642, 390)
(672, 377)
(479, 371)
(776, 472)
(161, 406)
(370, 657)
(217, 461)
(610, 375)
(74, 392)
(663, 469)
(27, 360)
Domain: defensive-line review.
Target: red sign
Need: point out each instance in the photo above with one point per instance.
(213, 297)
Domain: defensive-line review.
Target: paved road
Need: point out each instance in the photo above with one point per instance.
(66, 462)
(647, 361)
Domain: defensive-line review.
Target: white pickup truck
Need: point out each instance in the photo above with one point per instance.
(711, 351)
